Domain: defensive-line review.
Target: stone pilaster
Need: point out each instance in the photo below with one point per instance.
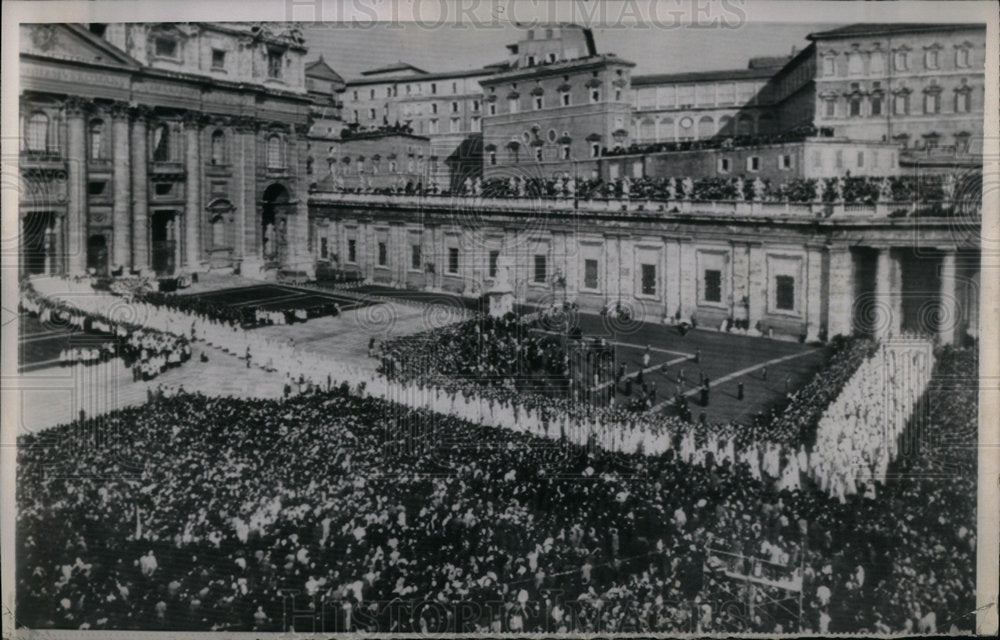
(192, 191)
(948, 318)
(121, 181)
(671, 276)
(886, 316)
(840, 306)
(613, 262)
(76, 200)
(813, 293)
(757, 287)
(140, 194)
(689, 278)
(740, 280)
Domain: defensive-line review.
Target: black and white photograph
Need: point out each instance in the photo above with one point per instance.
(499, 318)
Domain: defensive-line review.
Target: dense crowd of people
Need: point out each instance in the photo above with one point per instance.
(486, 367)
(500, 352)
(148, 352)
(393, 519)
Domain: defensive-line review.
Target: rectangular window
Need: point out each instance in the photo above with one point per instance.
(453, 260)
(595, 96)
(753, 163)
(861, 159)
(493, 109)
(456, 125)
(590, 274)
(96, 187)
(565, 152)
(538, 102)
(218, 59)
(963, 102)
(565, 98)
(352, 250)
(540, 268)
(595, 150)
(786, 161)
(901, 104)
(512, 105)
(723, 165)
(372, 114)
(648, 279)
(166, 47)
(840, 159)
(538, 154)
(383, 255)
(493, 158)
(855, 107)
(831, 108)
(784, 293)
(713, 285)
(323, 248)
(434, 88)
(274, 59)
(494, 258)
(876, 103)
(415, 258)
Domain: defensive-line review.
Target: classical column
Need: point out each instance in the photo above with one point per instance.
(245, 167)
(76, 201)
(813, 297)
(192, 191)
(140, 194)
(885, 316)
(121, 239)
(948, 317)
(840, 307)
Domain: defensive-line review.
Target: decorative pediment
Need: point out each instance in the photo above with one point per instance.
(72, 42)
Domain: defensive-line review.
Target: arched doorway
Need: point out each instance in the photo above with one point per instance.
(163, 241)
(38, 255)
(97, 254)
(273, 223)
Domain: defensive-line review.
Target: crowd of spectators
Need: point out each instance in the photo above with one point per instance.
(935, 194)
(210, 512)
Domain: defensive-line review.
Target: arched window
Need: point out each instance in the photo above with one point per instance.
(309, 166)
(274, 152)
(647, 130)
(97, 140)
(744, 126)
(218, 147)
(706, 127)
(38, 132)
(219, 231)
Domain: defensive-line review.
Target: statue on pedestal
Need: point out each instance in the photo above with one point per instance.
(819, 190)
(948, 189)
(885, 190)
(688, 188)
(500, 296)
(740, 189)
(672, 188)
(759, 189)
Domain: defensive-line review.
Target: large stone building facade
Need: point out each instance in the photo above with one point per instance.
(163, 148)
(557, 103)
(780, 270)
(918, 85)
